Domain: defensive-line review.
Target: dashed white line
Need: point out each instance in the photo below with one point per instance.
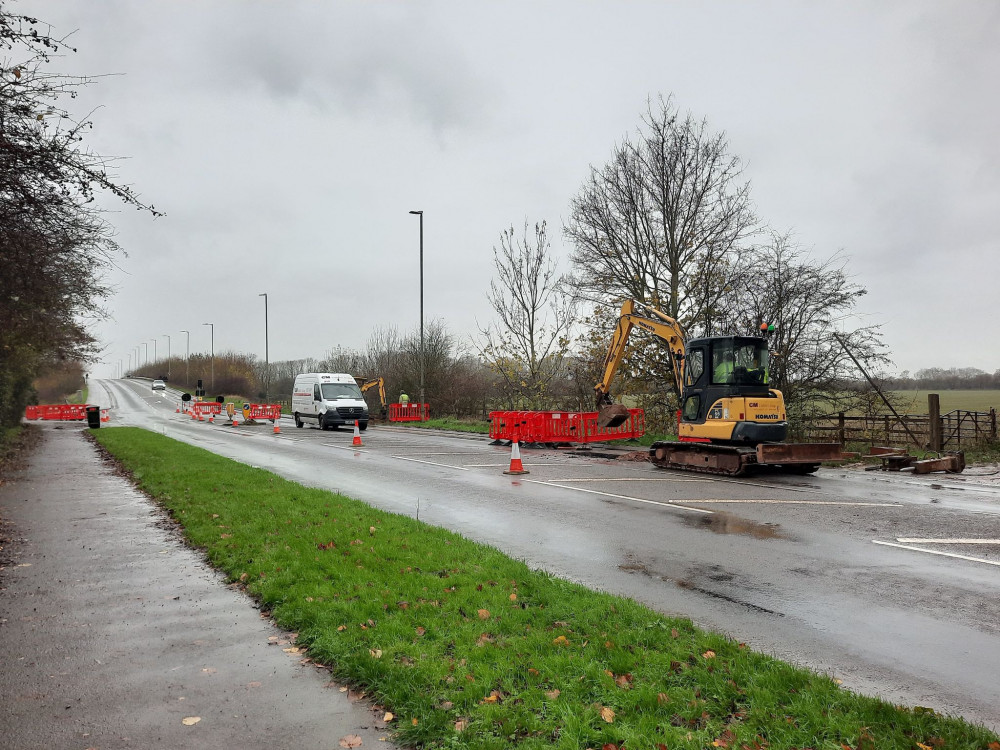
(937, 552)
(917, 540)
(667, 504)
(344, 447)
(447, 453)
(800, 502)
(629, 479)
(431, 463)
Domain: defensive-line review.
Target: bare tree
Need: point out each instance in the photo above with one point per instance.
(663, 221)
(806, 301)
(54, 245)
(526, 344)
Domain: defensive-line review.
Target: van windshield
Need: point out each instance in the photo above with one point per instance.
(334, 391)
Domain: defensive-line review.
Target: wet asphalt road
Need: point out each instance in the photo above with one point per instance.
(810, 569)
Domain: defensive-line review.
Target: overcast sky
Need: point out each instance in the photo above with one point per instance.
(286, 143)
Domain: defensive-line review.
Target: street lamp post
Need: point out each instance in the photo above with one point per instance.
(145, 351)
(421, 215)
(187, 360)
(155, 358)
(213, 352)
(267, 364)
(168, 356)
(130, 361)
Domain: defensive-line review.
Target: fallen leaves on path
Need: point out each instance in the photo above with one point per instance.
(190, 721)
(350, 740)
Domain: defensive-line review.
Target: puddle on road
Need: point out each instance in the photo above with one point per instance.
(727, 523)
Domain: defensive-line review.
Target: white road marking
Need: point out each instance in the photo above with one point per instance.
(799, 502)
(484, 466)
(446, 453)
(666, 503)
(344, 447)
(629, 479)
(917, 540)
(937, 552)
(431, 463)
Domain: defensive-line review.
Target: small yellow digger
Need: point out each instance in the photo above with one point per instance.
(730, 420)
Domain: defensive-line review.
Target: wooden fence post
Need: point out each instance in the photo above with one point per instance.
(841, 429)
(993, 424)
(934, 414)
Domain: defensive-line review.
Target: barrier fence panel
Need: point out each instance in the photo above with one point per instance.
(56, 412)
(262, 411)
(409, 412)
(206, 407)
(562, 427)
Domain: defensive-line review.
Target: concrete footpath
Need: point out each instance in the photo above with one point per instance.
(114, 634)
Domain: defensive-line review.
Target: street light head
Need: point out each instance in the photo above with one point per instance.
(417, 212)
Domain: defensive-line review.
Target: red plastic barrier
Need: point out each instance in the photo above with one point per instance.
(206, 407)
(262, 411)
(409, 412)
(56, 412)
(562, 427)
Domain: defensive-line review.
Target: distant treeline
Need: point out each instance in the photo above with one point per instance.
(951, 379)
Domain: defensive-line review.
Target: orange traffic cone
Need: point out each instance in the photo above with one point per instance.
(357, 435)
(211, 419)
(277, 430)
(236, 422)
(177, 410)
(515, 460)
(194, 416)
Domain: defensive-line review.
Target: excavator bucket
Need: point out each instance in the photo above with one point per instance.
(612, 416)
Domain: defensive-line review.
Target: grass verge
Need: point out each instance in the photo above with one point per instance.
(454, 424)
(469, 648)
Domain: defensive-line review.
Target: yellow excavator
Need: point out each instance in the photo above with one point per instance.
(366, 384)
(729, 420)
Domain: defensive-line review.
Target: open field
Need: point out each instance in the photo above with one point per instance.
(469, 648)
(951, 400)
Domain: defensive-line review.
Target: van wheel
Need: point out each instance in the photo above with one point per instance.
(319, 422)
(298, 422)
(363, 426)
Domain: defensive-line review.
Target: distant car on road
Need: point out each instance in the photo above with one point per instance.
(159, 385)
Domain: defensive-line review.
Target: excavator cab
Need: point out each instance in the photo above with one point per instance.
(725, 394)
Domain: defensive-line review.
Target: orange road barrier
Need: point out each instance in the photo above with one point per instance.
(56, 412)
(357, 435)
(562, 427)
(409, 412)
(253, 412)
(201, 408)
(516, 467)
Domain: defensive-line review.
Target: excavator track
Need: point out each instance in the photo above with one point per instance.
(731, 460)
(705, 458)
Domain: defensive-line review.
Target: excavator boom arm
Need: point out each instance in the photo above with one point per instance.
(648, 319)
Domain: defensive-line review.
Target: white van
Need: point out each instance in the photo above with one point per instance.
(330, 398)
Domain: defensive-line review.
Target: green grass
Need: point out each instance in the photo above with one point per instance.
(469, 648)
(454, 424)
(78, 397)
(915, 402)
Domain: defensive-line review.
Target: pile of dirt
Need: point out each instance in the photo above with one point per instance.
(635, 456)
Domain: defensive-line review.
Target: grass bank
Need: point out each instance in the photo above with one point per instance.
(454, 424)
(469, 648)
